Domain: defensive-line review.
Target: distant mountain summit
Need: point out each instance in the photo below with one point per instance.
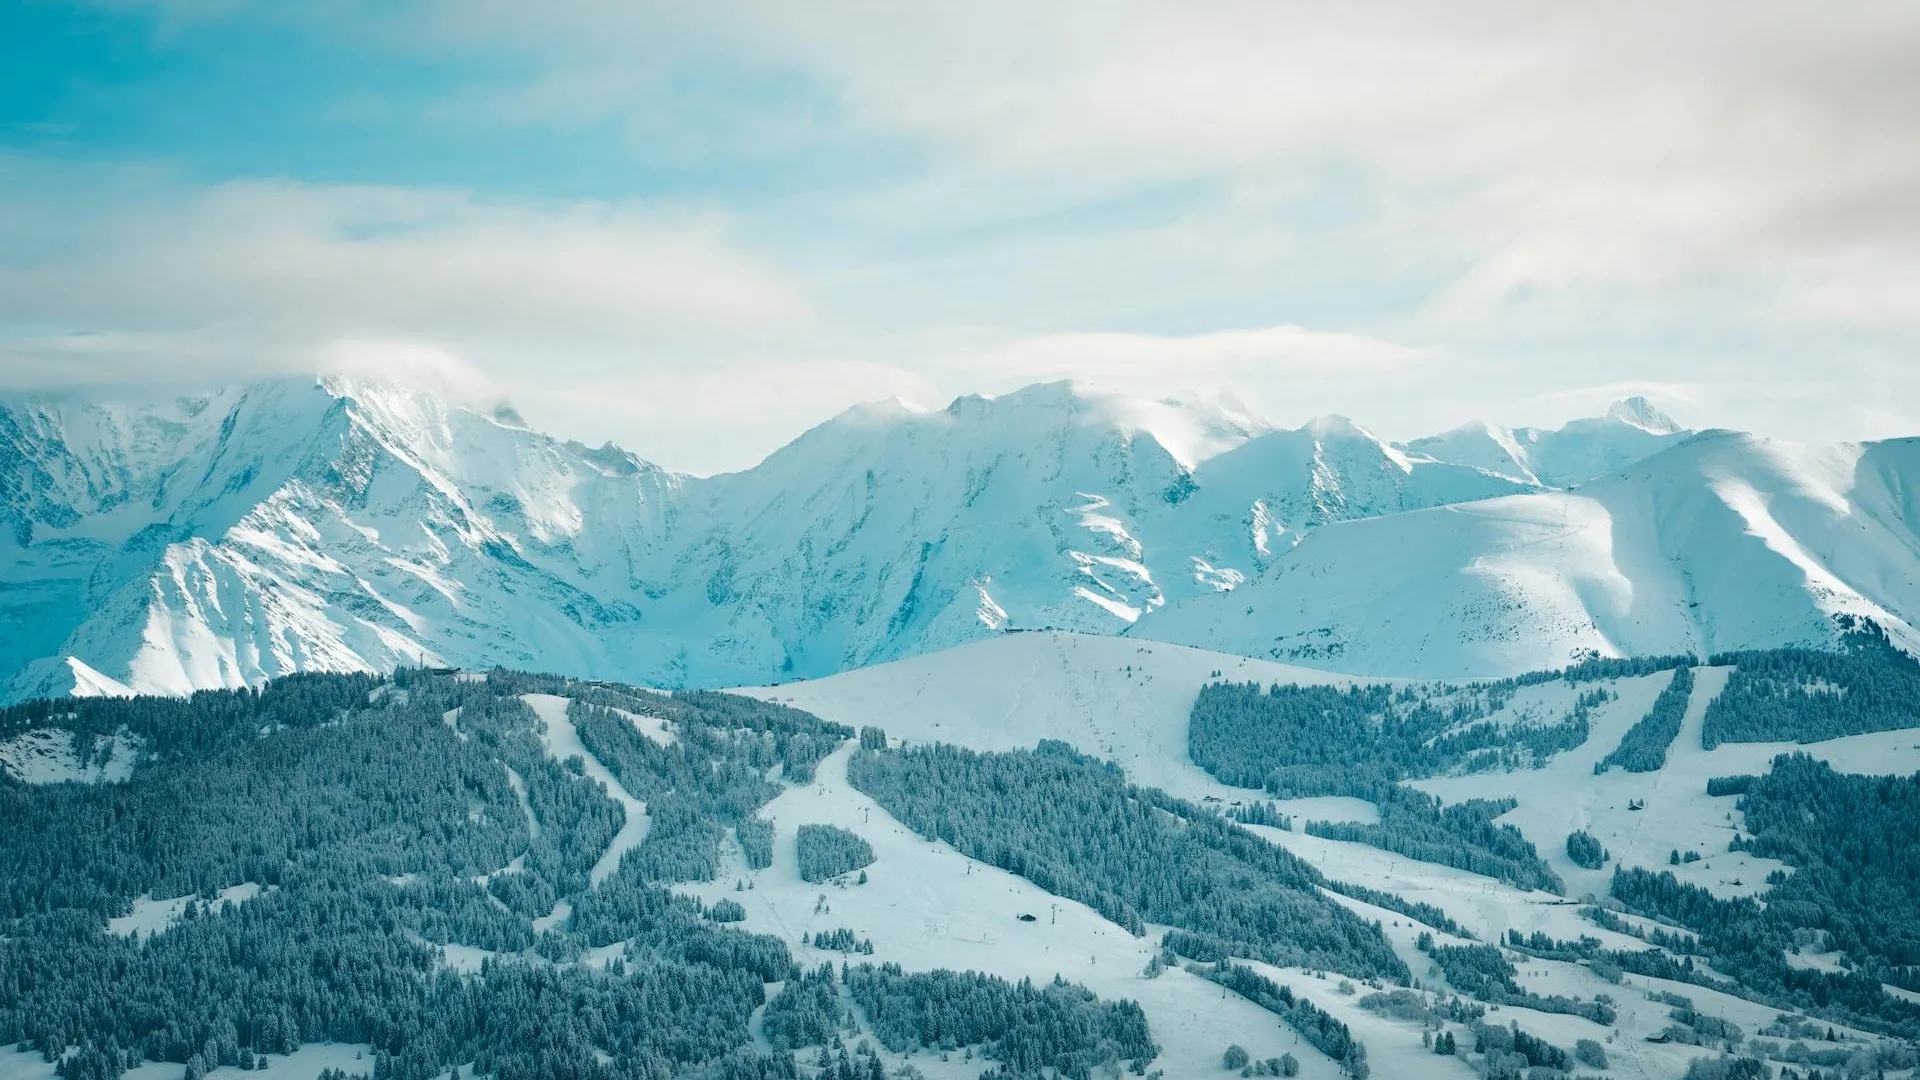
(1578, 451)
(215, 540)
(1640, 412)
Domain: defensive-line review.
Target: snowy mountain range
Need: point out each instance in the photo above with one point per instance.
(280, 526)
(1722, 542)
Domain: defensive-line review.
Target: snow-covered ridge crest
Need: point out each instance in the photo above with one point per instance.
(1580, 450)
(1641, 413)
(1190, 428)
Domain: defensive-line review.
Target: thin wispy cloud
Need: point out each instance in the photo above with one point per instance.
(399, 259)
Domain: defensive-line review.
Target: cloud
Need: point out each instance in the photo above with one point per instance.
(728, 415)
(1220, 359)
(931, 200)
(1519, 147)
(126, 277)
(279, 260)
(713, 418)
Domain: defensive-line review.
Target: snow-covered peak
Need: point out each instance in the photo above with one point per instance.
(1641, 413)
(610, 459)
(1722, 541)
(113, 464)
(1576, 452)
(888, 410)
(1052, 414)
(1334, 426)
(1190, 427)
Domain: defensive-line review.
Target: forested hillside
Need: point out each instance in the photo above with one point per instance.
(367, 830)
(1854, 845)
(1073, 826)
(1805, 695)
(527, 876)
(1834, 923)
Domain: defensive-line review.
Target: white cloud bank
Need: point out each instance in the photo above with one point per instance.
(1546, 145)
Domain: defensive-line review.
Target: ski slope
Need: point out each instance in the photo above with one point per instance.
(1122, 700)
(1130, 701)
(1679, 815)
(562, 743)
(925, 905)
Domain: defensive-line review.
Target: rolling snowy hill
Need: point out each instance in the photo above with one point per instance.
(1130, 702)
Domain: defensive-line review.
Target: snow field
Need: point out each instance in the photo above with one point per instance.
(653, 727)
(1679, 814)
(1129, 701)
(1722, 542)
(306, 1063)
(150, 916)
(1394, 1047)
(1481, 905)
(1123, 700)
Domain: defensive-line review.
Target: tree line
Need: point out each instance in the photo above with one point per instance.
(1807, 695)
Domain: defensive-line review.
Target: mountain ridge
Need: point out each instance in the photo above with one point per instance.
(1724, 541)
(1577, 451)
(336, 524)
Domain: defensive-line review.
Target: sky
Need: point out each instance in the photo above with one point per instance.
(697, 230)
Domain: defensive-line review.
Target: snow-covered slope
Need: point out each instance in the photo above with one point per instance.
(888, 532)
(1722, 542)
(52, 756)
(1130, 702)
(1267, 493)
(1124, 700)
(1580, 451)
